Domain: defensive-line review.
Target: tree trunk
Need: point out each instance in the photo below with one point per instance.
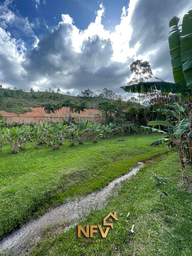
(106, 118)
(189, 144)
(184, 174)
(189, 139)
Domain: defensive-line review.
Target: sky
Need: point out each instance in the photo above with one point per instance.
(79, 44)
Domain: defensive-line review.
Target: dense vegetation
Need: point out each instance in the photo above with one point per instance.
(112, 107)
(54, 134)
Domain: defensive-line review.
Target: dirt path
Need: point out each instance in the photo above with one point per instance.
(18, 242)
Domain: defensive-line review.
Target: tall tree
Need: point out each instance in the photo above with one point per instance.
(107, 108)
(108, 94)
(141, 71)
(87, 93)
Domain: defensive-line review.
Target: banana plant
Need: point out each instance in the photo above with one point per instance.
(72, 134)
(12, 136)
(83, 127)
(130, 126)
(62, 133)
(52, 136)
(119, 129)
(96, 131)
(2, 138)
(178, 136)
(41, 134)
(178, 113)
(175, 51)
(56, 135)
(180, 42)
(24, 137)
(108, 130)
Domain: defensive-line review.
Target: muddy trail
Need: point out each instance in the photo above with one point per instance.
(21, 240)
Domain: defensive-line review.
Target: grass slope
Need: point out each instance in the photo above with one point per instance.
(162, 226)
(34, 180)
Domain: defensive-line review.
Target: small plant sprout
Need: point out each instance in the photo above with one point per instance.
(161, 180)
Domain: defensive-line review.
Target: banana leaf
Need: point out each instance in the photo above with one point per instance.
(145, 128)
(166, 112)
(165, 123)
(177, 107)
(159, 141)
(153, 86)
(181, 127)
(174, 46)
(186, 48)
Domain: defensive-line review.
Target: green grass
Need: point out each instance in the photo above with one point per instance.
(162, 226)
(35, 179)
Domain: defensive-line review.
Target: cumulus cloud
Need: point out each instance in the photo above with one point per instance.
(71, 65)
(6, 15)
(150, 25)
(18, 25)
(94, 58)
(12, 55)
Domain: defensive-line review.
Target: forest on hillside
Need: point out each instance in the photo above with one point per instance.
(113, 108)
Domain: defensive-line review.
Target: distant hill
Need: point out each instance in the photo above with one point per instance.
(19, 102)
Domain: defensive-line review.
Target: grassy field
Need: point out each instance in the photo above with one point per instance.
(163, 226)
(35, 179)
